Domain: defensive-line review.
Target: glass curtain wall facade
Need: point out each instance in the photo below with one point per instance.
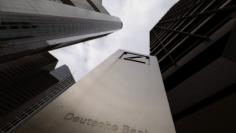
(27, 85)
(32, 26)
(194, 43)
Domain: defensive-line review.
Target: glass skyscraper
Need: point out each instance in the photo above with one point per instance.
(32, 26)
(195, 46)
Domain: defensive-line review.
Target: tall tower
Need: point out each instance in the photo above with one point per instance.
(195, 46)
(32, 26)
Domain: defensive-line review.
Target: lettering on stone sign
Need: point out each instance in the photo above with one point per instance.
(106, 125)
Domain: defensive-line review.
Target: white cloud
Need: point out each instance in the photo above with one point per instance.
(138, 17)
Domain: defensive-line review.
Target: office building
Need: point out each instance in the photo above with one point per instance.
(124, 94)
(27, 85)
(195, 46)
(34, 26)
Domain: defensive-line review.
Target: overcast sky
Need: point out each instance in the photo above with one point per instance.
(138, 17)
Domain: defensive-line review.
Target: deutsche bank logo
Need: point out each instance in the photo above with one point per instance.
(135, 58)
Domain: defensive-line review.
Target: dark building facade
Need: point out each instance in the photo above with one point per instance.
(27, 85)
(33, 26)
(195, 46)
